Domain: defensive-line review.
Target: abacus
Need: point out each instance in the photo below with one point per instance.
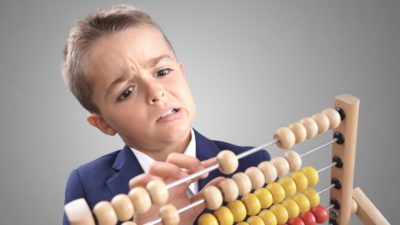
(262, 195)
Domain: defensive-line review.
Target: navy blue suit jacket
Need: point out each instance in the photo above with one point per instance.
(109, 175)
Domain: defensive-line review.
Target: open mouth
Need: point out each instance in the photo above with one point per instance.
(168, 113)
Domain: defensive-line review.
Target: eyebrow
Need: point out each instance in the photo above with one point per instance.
(154, 61)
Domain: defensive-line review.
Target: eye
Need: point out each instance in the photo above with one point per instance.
(163, 72)
(125, 94)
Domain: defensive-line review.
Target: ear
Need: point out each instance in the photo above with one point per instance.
(97, 121)
(182, 69)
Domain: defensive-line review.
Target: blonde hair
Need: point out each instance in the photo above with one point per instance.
(84, 33)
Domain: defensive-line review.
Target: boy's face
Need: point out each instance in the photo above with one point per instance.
(140, 89)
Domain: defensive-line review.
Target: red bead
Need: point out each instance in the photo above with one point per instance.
(308, 218)
(320, 213)
(295, 221)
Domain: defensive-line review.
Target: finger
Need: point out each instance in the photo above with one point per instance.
(185, 161)
(140, 180)
(166, 171)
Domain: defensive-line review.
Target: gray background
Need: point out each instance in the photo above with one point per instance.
(253, 66)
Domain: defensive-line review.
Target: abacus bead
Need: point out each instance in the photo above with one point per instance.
(207, 219)
(229, 189)
(354, 207)
(265, 197)
(141, 199)
(78, 212)
(301, 181)
(243, 182)
(288, 185)
(303, 202)
(252, 203)
(322, 122)
(242, 223)
(238, 210)
(311, 174)
(311, 127)
(299, 131)
(277, 191)
(256, 177)
(292, 208)
(333, 116)
(169, 215)
(285, 137)
(295, 221)
(105, 213)
(158, 192)
(294, 160)
(224, 215)
(320, 214)
(255, 220)
(130, 223)
(281, 164)
(313, 197)
(213, 197)
(268, 216)
(308, 218)
(269, 171)
(280, 213)
(228, 163)
(123, 207)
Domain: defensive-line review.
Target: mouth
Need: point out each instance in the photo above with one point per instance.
(168, 114)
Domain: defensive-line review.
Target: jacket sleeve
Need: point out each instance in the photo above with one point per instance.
(74, 190)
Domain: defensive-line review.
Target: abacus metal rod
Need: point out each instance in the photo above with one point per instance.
(319, 147)
(326, 189)
(327, 167)
(215, 166)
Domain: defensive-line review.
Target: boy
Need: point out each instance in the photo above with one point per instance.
(123, 70)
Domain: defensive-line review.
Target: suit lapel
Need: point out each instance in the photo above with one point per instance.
(126, 166)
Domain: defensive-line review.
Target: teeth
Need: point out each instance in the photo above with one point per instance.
(167, 113)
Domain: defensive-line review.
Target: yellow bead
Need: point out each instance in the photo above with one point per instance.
(238, 210)
(311, 174)
(301, 181)
(303, 202)
(252, 203)
(207, 219)
(288, 185)
(280, 213)
(224, 215)
(268, 216)
(265, 197)
(313, 197)
(242, 223)
(277, 191)
(255, 220)
(292, 208)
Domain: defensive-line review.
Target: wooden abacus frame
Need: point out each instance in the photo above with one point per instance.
(345, 199)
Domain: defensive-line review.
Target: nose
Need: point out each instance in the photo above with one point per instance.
(155, 93)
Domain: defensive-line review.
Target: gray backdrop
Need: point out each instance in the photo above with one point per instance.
(253, 66)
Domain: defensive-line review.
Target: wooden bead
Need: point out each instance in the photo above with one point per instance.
(301, 180)
(311, 127)
(285, 137)
(123, 207)
(280, 212)
(255, 220)
(288, 185)
(256, 177)
(228, 163)
(207, 219)
(213, 197)
(311, 174)
(78, 212)
(268, 217)
(128, 223)
(238, 210)
(105, 213)
(302, 201)
(224, 215)
(291, 207)
(354, 206)
(229, 189)
(299, 131)
(269, 171)
(265, 197)
(169, 215)
(333, 116)
(282, 165)
(277, 191)
(140, 199)
(313, 197)
(242, 223)
(158, 192)
(294, 160)
(252, 203)
(322, 122)
(243, 182)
